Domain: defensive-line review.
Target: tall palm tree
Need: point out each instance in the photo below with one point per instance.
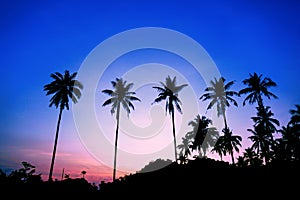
(120, 95)
(230, 142)
(62, 88)
(257, 87)
(203, 136)
(219, 94)
(168, 91)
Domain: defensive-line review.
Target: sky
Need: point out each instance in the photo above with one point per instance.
(42, 37)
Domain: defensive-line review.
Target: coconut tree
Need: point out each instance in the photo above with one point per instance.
(218, 93)
(62, 88)
(185, 147)
(203, 136)
(230, 142)
(120, 95)
(168, 91)
(256, 88)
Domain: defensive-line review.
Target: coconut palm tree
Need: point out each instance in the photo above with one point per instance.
(168, 91)
(295, 118)
(264, 120)
(261, 142)
(185, 147)
(203, 136)
(120, 95)
(218, 93)
(257, 87)
(219, 149)
(62, 88)
(230, 142)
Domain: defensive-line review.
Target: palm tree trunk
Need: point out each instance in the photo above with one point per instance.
(174, 136)
(55, 145)
(116, 143)
(231, 153)
(225, 121)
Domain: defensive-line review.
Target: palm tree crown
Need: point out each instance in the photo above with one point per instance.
(219, 94)
(168, 91)
(62, 88)
(257, 87)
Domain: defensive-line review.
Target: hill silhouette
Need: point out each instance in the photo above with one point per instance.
(202, 176)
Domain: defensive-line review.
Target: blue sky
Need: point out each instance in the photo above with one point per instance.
(42, 37)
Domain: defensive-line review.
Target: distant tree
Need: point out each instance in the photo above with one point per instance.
(83, 173)
(120, 95)
(218, 93)
(168, 91)
(257, 87)
(62, 88)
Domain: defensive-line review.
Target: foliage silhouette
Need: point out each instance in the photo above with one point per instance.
(120, 95)
(203, 136)
(62, 88)
(168, 91)
(257, 87)
(219, 94)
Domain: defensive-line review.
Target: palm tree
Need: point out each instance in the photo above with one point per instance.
(230, 142)
(62, 88)
(264, 119)
(218, 94)
(261, 141)
(257, 87)
(168, 91)
(219, 149)
(185, 147)
(202, 135)
(120, 95)
(295, 118)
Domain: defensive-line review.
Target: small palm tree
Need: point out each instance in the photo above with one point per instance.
(62, 88)
(219, 149)
(230, 142)
(257, 87)
(185, 147)
(203, 136)
(219, 94)
(168, 91)
(120, 95)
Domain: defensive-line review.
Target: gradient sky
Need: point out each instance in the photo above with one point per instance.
(42, 37)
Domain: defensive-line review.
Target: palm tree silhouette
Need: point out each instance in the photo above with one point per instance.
(62, 88)
(230, 142)
(203, 136)
(169, 92)
(120, 95)
(218, 94)
(295, 118)
(185, 147)
(261, 141)
(257, 87)
(264, 120)
(219, 149)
